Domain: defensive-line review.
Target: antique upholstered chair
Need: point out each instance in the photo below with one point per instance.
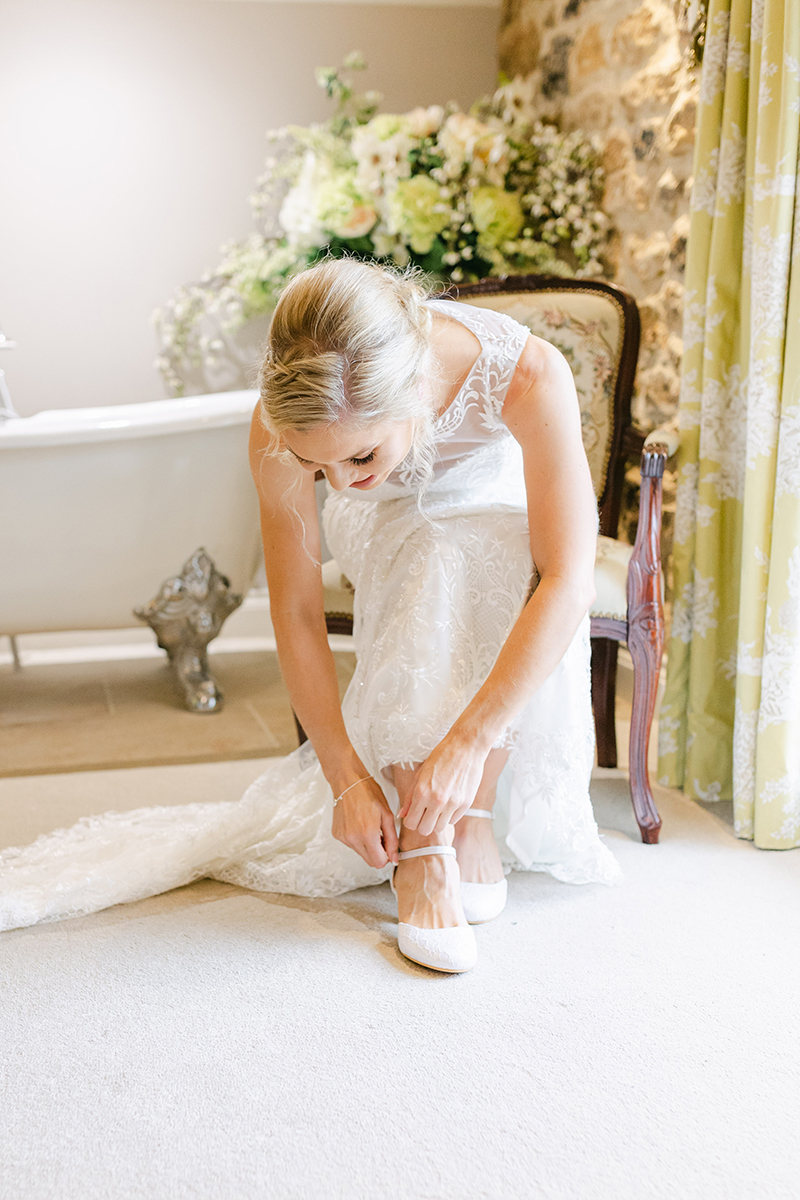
(596, 326)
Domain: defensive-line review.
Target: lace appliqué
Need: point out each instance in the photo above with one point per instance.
(502, 342)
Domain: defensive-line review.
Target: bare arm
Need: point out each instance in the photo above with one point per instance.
(290, 532)
(542, 412)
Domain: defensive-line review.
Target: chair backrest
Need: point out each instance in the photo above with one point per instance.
(596, 327)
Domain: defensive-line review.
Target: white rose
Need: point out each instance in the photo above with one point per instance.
(358, 224)
(342, 208)
(464, 139)
(298, 213)
(423, 122)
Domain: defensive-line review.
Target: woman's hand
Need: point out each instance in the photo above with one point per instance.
(446, 785)
(363, 821)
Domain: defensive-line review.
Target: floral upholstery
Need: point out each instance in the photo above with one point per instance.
(587, 328)
(611, 578)
(338, 591)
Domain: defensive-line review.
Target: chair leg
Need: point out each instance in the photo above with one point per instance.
(645, 650)
(302, 736)
(604, 688)
(645, 635)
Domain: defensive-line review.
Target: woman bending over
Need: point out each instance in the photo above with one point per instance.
(461, 508)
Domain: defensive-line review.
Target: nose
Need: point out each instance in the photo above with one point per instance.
(340, 477)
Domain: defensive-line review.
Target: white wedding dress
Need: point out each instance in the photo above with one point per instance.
(439, 581)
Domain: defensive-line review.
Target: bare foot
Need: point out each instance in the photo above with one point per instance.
(478, 856)
(428, 891)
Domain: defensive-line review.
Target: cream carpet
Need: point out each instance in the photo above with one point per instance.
(213, 1044)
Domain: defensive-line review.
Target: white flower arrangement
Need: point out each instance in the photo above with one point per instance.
(460, 195)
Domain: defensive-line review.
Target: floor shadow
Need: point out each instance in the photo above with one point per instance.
(369, 910)
(721, 809)
(611, 801)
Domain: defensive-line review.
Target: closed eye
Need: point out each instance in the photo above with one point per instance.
(360, 462)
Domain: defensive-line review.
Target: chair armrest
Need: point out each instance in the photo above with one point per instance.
(633, 442)
(663, 437)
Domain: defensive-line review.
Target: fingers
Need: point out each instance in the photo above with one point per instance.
(422, 815)
(373, 853)
(370, 847)
(409, 818)
(426, 813)
(390, 842)
(378, 846)
(459, 813)
(434, 820)
(416, 809)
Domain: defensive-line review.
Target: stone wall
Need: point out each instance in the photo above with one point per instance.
(618, 68)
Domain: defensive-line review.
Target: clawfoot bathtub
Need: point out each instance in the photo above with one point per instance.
(101, 505)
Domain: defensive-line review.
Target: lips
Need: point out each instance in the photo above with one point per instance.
(363, 483)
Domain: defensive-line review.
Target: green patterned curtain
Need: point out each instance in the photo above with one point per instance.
(730, 722)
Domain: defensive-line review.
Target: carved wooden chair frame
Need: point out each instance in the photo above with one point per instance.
(643, 630)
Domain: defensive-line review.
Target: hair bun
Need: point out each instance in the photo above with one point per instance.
(349, 340)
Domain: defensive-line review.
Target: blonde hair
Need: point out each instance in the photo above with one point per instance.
(349, 342)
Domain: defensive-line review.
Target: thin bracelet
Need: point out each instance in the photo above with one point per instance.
(336, 799)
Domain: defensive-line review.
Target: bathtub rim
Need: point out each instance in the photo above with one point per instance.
(117, 422)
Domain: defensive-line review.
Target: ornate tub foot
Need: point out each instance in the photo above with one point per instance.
(188, 613)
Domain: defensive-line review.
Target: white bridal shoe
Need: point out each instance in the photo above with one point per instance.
(482, 901)
(451, 950)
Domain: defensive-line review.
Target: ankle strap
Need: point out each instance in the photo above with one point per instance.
(479, 812)
(427, 850)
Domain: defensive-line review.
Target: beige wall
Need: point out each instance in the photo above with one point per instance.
(132, 133)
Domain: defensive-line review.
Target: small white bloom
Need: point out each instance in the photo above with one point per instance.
(424, 122)
(297, 216)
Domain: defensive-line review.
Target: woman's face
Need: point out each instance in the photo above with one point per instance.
(352, 455)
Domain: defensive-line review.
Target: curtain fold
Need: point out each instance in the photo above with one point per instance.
(730, 721)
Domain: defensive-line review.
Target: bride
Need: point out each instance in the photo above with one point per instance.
(461, 508)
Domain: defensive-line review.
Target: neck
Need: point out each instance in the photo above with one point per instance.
(455, 351)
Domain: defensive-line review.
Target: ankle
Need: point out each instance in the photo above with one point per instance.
(411, 839)
(428, 890)
(473, 827)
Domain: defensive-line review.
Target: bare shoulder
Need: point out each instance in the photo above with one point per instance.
(260, 440)
(542, 390)
(285, 489)
(289, 526)
(272, 475)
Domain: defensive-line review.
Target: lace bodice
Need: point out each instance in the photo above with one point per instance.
(471, 428)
